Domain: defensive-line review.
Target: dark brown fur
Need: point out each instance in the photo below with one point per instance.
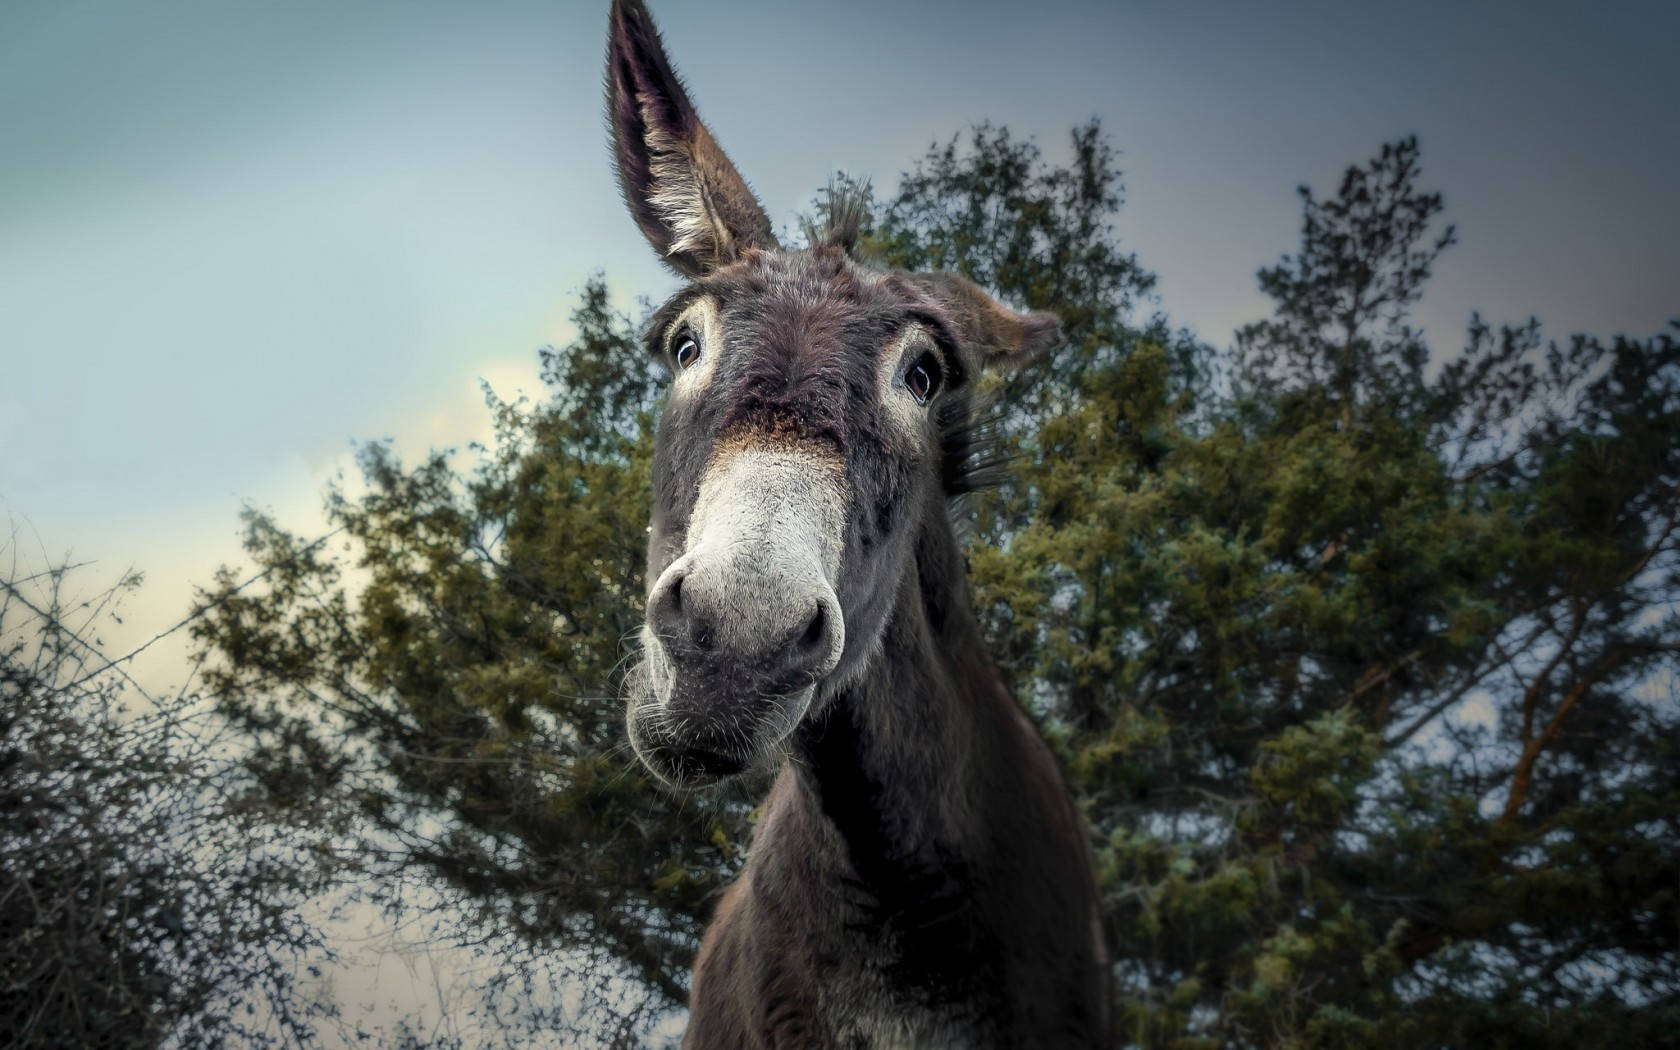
(920, 876)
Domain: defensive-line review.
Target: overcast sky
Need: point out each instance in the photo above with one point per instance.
(236, 237)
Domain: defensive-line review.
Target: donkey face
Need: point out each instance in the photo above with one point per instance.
(803, 445)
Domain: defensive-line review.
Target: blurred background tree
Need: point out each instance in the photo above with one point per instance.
(147, 898)
(1360, 654)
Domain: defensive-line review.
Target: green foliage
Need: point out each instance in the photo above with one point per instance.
(1360, 656)
(1354, 664)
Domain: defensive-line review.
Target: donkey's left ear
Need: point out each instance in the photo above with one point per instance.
(996, 335)
(687, 197)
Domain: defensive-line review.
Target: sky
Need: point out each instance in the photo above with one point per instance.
(238, 237)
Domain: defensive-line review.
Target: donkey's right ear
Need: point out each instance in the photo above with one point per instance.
(684, 193)
(998, 336)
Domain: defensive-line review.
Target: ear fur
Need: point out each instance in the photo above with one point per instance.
(682, 190)
(998, 336)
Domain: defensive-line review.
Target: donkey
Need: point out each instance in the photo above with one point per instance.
(919, 877)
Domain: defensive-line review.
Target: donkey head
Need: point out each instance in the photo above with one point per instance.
(814, 426)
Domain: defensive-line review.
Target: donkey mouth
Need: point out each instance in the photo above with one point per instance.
(692, 733)
(694, 760)
(689, 752)
(694, 765)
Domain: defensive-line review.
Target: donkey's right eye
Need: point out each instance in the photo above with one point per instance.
(922, 380)
(687, 348)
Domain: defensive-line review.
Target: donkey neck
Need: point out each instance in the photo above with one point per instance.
(901, 760)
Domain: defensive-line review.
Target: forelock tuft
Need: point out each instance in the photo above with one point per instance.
(847, 214)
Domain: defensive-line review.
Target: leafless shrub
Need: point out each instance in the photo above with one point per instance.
(143, 902)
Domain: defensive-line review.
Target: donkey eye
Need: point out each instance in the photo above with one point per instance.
(687, 349)
(922, 380)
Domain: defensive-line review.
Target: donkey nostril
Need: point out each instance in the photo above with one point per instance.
(666, 614)
(701, 635)
(814, 632)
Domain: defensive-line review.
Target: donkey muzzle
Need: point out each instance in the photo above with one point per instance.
(746, 621)
(740, 627)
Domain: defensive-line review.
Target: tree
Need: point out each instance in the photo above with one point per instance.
(145, 899)
(1357, 670)
(1354, 665)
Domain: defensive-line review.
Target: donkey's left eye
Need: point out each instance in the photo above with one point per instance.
(687, 349)
(922, 380)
